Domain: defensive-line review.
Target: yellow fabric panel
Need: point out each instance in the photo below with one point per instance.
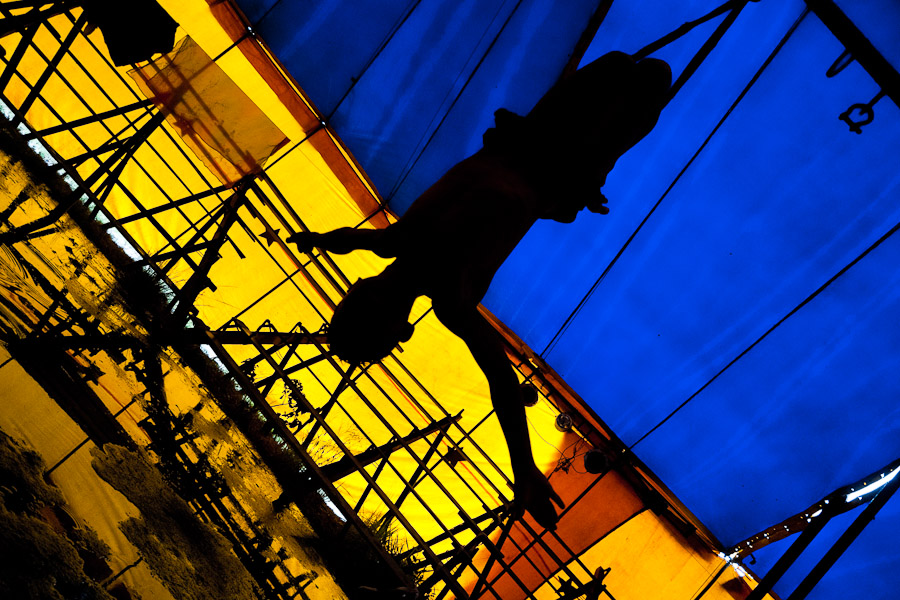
(308, 180)
(89, 77)
(648, 558)
(225, 129)
(196, 19)
(442, 364)
(603, 503)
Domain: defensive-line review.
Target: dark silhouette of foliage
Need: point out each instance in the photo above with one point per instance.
(42, 550)
(191, 559)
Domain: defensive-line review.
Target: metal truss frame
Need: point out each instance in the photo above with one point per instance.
(65, 326)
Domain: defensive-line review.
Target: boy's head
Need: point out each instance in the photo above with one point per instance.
(370, 321)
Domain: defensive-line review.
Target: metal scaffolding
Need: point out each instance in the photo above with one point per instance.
(95, 172)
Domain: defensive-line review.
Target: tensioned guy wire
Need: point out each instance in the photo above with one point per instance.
(792, 312)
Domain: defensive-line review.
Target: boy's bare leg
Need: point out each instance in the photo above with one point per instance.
(346, 240)
(531, 489)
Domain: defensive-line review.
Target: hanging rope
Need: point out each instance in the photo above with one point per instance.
(687, 28)
(567, 323)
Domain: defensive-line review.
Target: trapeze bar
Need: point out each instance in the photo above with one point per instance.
(859, 46)
(169, 206)
(707, 47)
(686, 28)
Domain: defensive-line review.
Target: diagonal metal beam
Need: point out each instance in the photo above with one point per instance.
(17, 23)
(345, 466)
(13, 63)
(200, 277)
(121, 155)
(38, 87)
(168, 206)
(843, 542)
(95, 118)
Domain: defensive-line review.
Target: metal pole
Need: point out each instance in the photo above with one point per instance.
(789, 557)
(843, 542)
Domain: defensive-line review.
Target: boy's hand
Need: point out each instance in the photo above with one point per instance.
(534, 493)
(305, 241)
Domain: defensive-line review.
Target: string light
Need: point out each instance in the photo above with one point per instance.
(855, 494)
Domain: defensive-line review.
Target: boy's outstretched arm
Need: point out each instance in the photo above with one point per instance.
(532, 490)
(382, 242)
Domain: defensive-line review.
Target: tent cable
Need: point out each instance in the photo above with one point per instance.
(414, 161)
(793, 311)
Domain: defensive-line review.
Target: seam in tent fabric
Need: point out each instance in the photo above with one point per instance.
(792, 312)
(267, 13)
(407, 169)
(574, 314)
(296, 145)
(378, 51)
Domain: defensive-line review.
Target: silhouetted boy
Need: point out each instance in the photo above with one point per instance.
(548, 165)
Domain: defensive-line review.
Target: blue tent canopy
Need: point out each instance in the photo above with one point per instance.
(734, 318)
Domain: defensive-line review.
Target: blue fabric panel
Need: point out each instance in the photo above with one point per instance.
(401, 98)
(326, 45)
(256, 9)
(467, 59)
(810, 409)
(782, 198)
(386, 101)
